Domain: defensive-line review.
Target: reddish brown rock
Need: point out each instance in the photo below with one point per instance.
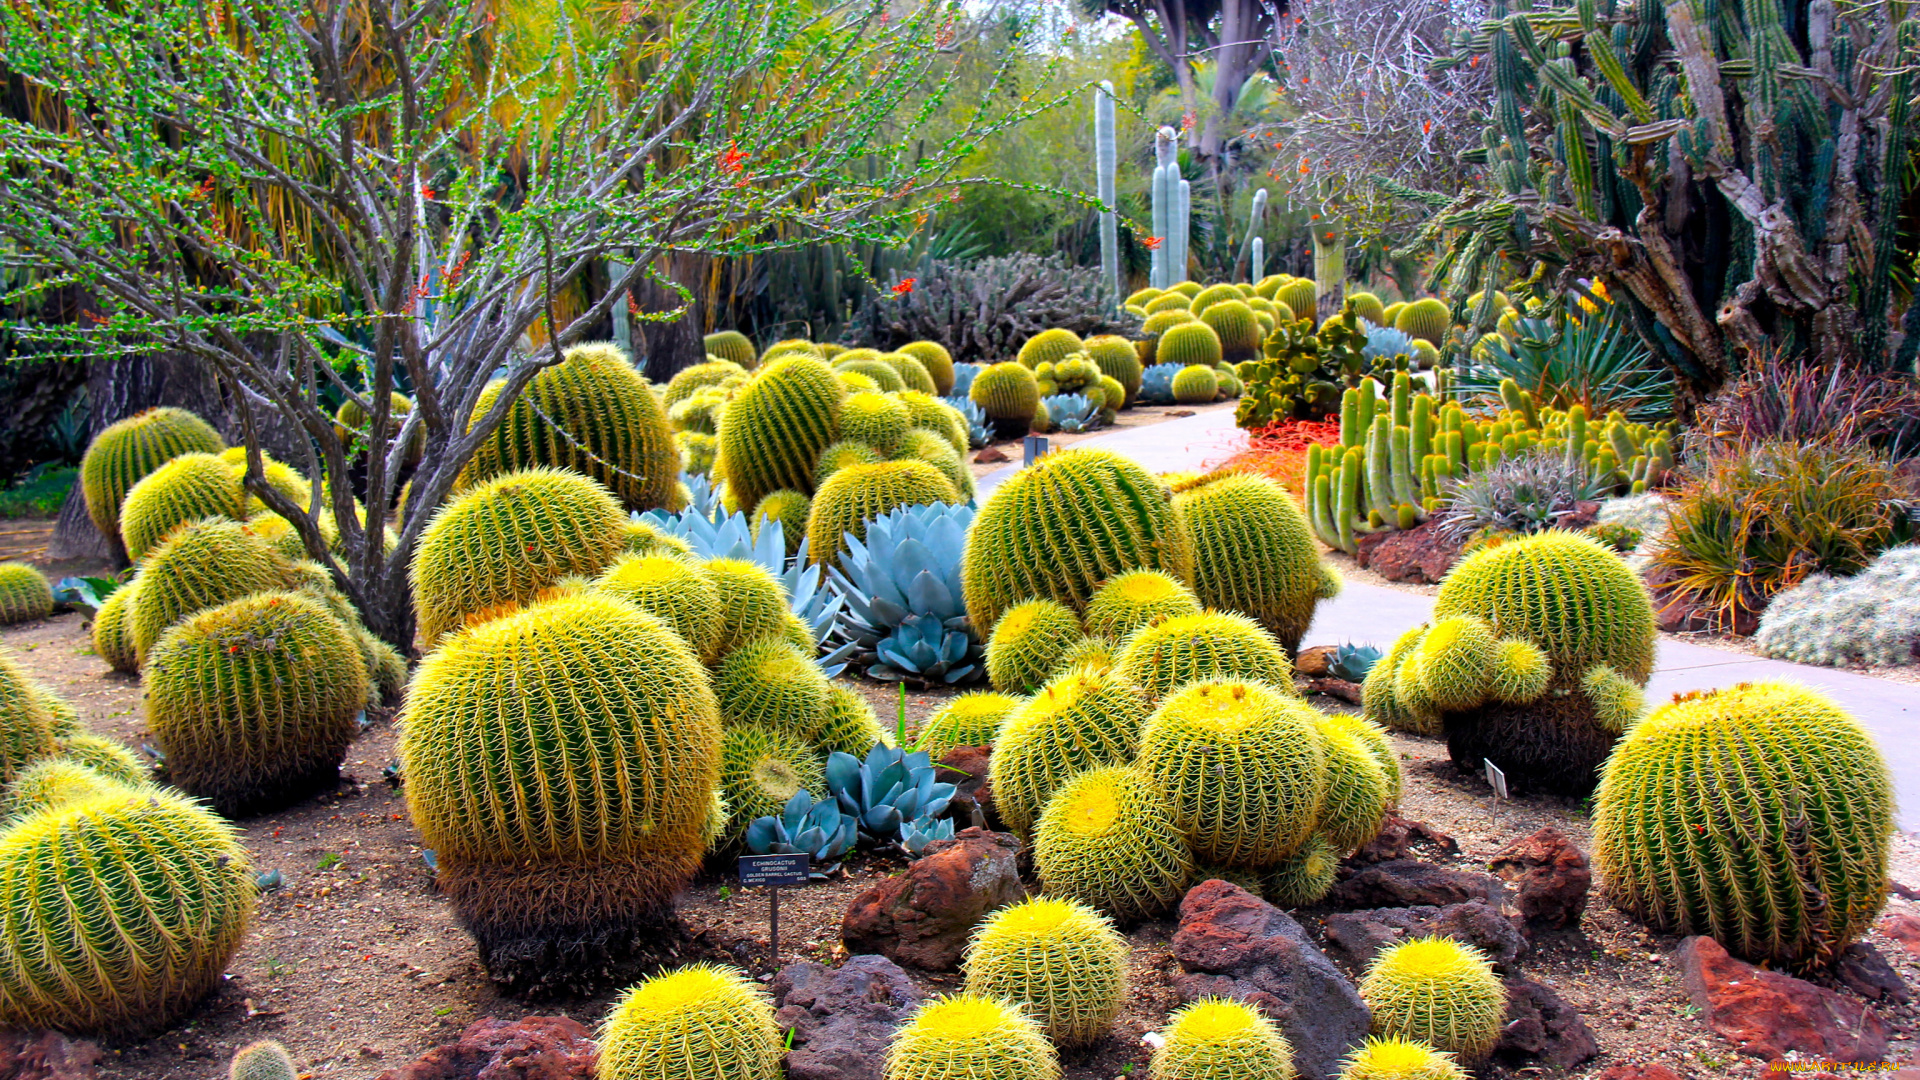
(1314, 662)
(1401, 838)
(965, 767)
(1411, 883)
(992, 455)
(1542, 1027)
(1903, 928)
(1655, 1071)
(923, 917)
(1348, 692)
(1768, 1014)
(45, 1055)
(1552, 877)
(1421, 555)
(536, 1048)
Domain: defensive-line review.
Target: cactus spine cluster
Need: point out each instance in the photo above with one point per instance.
(1253, 553)
(969, 1037)
(1082, 720)
(24, 593)
(1221, 1039)
(1437, 991)
(129, 946)
(700, 1022)
(1061, 528)
(1759, 814)
(254, 702)
(552, 807)
(125, 452)
(1107, 840)
(1060, 960)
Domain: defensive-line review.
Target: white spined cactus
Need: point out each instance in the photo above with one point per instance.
(1871, 618)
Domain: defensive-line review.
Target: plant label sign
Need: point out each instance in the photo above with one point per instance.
(774, 869)
(1497, 779)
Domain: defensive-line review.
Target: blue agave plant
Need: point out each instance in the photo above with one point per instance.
(917, 834)
(1156, 384)
(1352, 662)
(1386, 342)
(963, 376)
(979, 430)
(891, 789)
(817, 828)
(901, 611)
(1071, 413)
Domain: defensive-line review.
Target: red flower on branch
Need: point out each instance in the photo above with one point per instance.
(904, 287)
(733, 160)
(1153, 243)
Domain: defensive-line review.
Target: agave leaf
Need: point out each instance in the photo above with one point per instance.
(843, 772)
(930, 596)
(882, 820)
(811, 840)
(761, 835)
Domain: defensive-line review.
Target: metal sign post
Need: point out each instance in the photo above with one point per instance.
(1034, 449)
(1498, 780)
(774, 871)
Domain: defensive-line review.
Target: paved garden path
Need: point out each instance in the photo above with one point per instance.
(1370, 613)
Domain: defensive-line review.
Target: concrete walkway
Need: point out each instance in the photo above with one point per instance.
(1365, 613)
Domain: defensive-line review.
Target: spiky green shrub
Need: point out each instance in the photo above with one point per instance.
(1758, 814)
(1060, 529)
(730, 345)
(503, 541)
(186, 488)
(774, 429)
(788, 507)
(1395, 1058)
(855, 495)
(972, 719)
(262, 1060)
(1221, 1039)
(254, 702)
(561, 762)
(672, 589)
(1189, 344)
(125, 452)
(113, 632)
(1213, 644)
(26, 724)
(851, 726)
(1007, 392)
(769, 682)
(1357, 792)
(1437, 991)
(1027, 642)
(913, 374)
(878, 420)
(1195, 385)
(132, 943)
(1427, 320)
(1050, 347)
(1119, 360)
(24, 593)
(594, 414)
(934, 357)
(1080, 721)
(1061, 961)
(700, 1022)
(1107, 840)
(690, 380)
(1253, 553)
(1243, 767)
(201, 565)
(937, 416)
(108, 758)
(1234, 323)
(969, 1037)
(752, 603)
(1135, 599)
(1304, 877)
(761, 768)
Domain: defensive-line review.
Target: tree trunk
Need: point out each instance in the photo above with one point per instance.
(662, 348)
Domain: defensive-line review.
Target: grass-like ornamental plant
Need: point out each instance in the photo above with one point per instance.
(1221, 1039)
(972, 719)
(186, 488)
(1759, 815)
(673, 590)
(130, 944)
(1107, 839)
(113, 631)
(1242, 766)
(969, 1037)
(126, 451)
(1129, 601)
(254, 702)
(24, 593)
(1395, 1058)
(1253, 553)
(1027, 642)
(1060, 960)
(262, 1060)
(562, 762)
(700, 1022)
(1211, 645)
(1077, 722)
(202, 565)
(773, 430)
(1437, 991)
(502, 542)
(1060, 529)
(857, 494)
(771, 683)
(761, 768)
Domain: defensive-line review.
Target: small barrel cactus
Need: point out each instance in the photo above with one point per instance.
(1218, 1038)
(1135, 599)
(1426, 319)
(761, 768)
(1195, 384)
(186, 488)
(857, 494)
(700, 1022)
(1304, 877)
(731, 346)
(50, 782)
(1253, 553)
(1080, 721)
(1190, 344)
(123, 453)
(1394, 1058)
(1060, 960)
(201, 565)
(24, 593)
(1107, 839)
(851, 726)
(1437, 991)
(969, 1037)
(1238, 329)
(1027, 642)
(771, 683)
(113, 630)
(1357, 791)
(1118, 360)
(934, 357)
(1050, 347)
(673, 590)
(972, 719)
(1008, 392)
(1213, 644)
(878, 420)
(262, 1060)
(752, 603)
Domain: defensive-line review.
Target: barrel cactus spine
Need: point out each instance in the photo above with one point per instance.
(761, 768)
(124, 452)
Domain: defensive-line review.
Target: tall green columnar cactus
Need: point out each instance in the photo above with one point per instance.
(1329, 265)
(1734, 172)
(1166, 177)
(1182, 230)
(1105, 157)
(1258, 265)
(1254, 213)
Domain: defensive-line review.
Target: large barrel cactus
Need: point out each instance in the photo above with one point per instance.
(133, 942)
(1079, 721)
(594, 414)
(859, 493)
(202, 565)
(254, 702)
(125, 452)
(187, 488)
(24, 593)
(1063, 527)
(1760, 815)
(1253, 553)
(701, 1022)
(561, 762)
(773, 430)
(1107, 839)
(503, 541)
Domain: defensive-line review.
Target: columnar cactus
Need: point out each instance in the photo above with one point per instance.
(1061, 961)
(1105, 157)
(1221, 1039)
(774, 429)
(201, 565)
(700, 1022)
(186, 488)
(1079, 721)
(1439, 992)
(24, 593)
(254, 702)
(131, 945)
(1106, 840)
(1027, 643)
(1253, 553)
(1759, 814)
(969, 1037)
(125, 452)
